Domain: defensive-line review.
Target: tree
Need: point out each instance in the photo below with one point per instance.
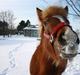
(21, 25)
(8, 17)
(28, 23)
(3, 28)
(75, 5)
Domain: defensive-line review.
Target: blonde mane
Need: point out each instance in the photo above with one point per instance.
(53, 11)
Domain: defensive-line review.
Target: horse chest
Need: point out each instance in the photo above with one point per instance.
(52, 69)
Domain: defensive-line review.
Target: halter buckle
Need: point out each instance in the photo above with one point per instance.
(51, 38)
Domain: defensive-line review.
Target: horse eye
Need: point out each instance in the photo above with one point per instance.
(61, 40)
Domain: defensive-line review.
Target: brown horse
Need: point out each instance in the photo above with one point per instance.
(58, 42)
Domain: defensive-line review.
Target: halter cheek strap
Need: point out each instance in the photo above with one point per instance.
(54, 30)
(58, 27)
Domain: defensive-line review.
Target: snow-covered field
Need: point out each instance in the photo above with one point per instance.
(16, 52)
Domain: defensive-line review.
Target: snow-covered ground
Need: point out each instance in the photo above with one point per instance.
(16, 52)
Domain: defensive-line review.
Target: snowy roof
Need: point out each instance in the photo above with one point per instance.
(29, 28)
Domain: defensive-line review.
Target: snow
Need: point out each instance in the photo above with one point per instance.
(16, 52)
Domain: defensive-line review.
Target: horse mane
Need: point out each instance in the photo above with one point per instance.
(52, 11)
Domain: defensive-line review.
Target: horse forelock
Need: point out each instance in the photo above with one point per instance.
(53, 11)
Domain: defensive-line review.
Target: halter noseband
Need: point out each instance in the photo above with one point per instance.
(55, 30)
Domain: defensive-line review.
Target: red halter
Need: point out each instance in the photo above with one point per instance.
(56, 29)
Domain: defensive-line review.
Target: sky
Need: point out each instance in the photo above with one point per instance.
(26, 9)
(22, 9)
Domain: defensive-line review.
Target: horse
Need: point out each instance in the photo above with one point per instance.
(58, 43)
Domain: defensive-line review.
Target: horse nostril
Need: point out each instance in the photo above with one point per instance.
(77, 41)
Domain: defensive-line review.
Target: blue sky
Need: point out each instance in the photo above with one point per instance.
(26, 9)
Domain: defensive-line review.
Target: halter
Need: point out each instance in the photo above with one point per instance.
(55, 29)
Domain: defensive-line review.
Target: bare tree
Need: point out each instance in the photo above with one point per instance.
(8, 17)
(74, 5)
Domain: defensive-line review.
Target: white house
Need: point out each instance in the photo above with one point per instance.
(31, 31)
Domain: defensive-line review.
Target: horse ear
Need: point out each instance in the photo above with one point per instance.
(39, 13)
(66, 8)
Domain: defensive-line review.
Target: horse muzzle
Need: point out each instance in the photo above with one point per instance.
(69, 51)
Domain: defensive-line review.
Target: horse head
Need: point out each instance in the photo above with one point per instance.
(57, 29)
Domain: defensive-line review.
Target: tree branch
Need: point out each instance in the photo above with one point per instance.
(75, 6)
(72, 7)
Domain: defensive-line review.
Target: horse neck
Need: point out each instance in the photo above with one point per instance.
(49, 49)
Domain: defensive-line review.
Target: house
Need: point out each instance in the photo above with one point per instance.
(31, 31)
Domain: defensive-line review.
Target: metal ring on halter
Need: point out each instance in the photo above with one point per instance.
(51, 38)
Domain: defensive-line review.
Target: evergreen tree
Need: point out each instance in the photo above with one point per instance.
(28, 23)
(21, 25)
